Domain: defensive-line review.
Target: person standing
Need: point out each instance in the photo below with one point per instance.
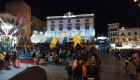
(84, 71)
(69, 70)
(37, 57)
(131, 69)
(90, 72)
(53, 56)
(7, 56)
(14, 58)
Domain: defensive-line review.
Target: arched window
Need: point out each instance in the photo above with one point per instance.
(135, 33)
(129, 34)
(122, 34)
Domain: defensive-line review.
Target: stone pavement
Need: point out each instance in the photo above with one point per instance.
(113, 69)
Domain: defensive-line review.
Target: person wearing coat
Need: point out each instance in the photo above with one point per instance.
(84, 71)
(14, 58)
(131, 69)
(69, 70)
(7, 56)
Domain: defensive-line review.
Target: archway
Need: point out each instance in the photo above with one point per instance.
(56, 38)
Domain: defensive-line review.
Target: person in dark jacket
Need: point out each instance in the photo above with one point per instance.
(43, 58)
(14, 58)
(69, 70)
(90, 72)
(138, 71)
(78, 71)
(7, 56)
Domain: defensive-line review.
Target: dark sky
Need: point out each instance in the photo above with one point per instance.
(126, 12)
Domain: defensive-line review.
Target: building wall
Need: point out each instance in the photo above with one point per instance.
(15, 7)
(72, 20)
(113, 32)
(131, 33)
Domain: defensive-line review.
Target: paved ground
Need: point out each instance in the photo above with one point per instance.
(113, 69)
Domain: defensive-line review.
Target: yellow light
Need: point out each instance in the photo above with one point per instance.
(135, 0)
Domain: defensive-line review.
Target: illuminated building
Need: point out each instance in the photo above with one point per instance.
(73, 24)
(130, 34)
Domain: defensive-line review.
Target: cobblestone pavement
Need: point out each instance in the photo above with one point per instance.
(113, 69)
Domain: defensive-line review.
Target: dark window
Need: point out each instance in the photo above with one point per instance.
(115, 29)
(52, 21)
(135, 33)
(68, 20)
(69, 26)
(111, 34)
(52, 27)
(78, 20)
(60, 27)
(86, 20)
(116, 34)
(77, 26)
(129, 34)
(122, 34)
(86, 26)
(60, 21)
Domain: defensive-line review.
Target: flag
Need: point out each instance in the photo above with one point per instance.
(18, 17)
(18, 22)
(2, 32)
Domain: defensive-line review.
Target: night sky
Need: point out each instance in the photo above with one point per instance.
(125, 12)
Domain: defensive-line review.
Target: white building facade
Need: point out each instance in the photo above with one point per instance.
(115, 32)
(73, 24)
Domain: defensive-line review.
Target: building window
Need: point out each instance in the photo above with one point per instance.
(116, 34)
(68, 20)
(60, 27)
(52, 27)
(77, 26)
(122, 34)
(52, 21)
(69, 26)
(111, 34)
(86, 26)
(60, 21)
(129, 34)
(78, 20)
(86, 20)
(135, 33)
(115, 29)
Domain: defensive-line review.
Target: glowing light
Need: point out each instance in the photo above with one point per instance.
(135, 0)
(76, 40)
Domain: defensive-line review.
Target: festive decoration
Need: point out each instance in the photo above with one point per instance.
(77, 40)
(125, 42)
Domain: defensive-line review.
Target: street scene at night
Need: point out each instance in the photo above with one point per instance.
(69, 40)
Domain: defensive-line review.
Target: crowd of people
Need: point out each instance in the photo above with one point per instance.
(131, 63)
(7, 56)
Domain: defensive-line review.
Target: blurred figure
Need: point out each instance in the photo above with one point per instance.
(14, 58)
(69, 70)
